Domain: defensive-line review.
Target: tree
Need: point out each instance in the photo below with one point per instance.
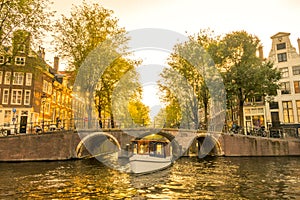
(191, 61)
(96, 49)
(139, 112)
(245, 75)
(30, 15)
(117, 81)
(87, 27)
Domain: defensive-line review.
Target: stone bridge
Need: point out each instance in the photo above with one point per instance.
(71, 145)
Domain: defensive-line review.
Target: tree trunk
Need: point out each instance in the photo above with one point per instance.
(205, 115)
(241, 108)
(112, 122)
(100, 116)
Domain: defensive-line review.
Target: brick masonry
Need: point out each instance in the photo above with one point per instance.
(62, 146)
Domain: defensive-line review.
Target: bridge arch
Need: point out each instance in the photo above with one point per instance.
(167, 135)
(208, 145)
(98, 138)
(176, 148)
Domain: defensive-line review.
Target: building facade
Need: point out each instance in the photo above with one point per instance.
(285, 107)
(31, 91)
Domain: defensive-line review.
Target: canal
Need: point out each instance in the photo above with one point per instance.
(187, 178)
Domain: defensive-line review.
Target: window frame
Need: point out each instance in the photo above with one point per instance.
(281, 46)
(288, 112)
(18, 78)
(283, 71)
(28, 79)
(27, 96)
(5, 95)
(297, 87)
(296, 70)
(282, 57)
(7, 78)
(285, 88)
(20, 60)
(18, 97)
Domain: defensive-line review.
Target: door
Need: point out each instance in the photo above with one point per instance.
(275, 119)
(23, 124)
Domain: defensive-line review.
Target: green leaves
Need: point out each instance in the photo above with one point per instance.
(88, 26)
(30, 15)
(245, 75)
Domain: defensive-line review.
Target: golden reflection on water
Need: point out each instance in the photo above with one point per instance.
(187, 178)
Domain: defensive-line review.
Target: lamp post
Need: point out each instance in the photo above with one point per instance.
(43, 101)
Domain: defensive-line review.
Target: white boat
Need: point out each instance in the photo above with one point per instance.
(149, 156)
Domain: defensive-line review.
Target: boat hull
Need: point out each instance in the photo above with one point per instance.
(142, 164)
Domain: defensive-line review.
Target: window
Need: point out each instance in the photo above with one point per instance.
(288, 116)
(273, 105)
(27, 97)
(18, 78)
(28, 79)
(1, 75)
(7, 78)
(297, 86)
(1, 59)
(296, 70)
(20, 61)
(258, 98)
(285, 88)
(16, 97)
(45, 86)
(282, 57)
(5, 96)
(49, 88)
(298, 110)
(284, 72)
(281, 46)
(47, 107)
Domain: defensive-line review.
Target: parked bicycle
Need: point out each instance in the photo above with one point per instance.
(236, 129)
(261, 132)
(3, 132)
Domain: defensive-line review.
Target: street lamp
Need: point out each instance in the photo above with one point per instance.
(43, 99)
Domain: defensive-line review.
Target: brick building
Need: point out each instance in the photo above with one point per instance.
(30, 89)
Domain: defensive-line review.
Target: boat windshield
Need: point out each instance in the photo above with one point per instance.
(151, 148)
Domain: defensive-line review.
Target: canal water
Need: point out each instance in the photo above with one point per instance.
(187, 178)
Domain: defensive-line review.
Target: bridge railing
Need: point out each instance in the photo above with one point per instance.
(35, 127)
(280, 132)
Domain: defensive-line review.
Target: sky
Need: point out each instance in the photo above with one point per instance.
(262, 18)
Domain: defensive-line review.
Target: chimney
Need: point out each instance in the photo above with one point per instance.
(260, 52)
(298, 45)
(56, 63)
(41, 52)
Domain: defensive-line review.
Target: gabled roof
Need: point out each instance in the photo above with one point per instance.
(280, 34)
